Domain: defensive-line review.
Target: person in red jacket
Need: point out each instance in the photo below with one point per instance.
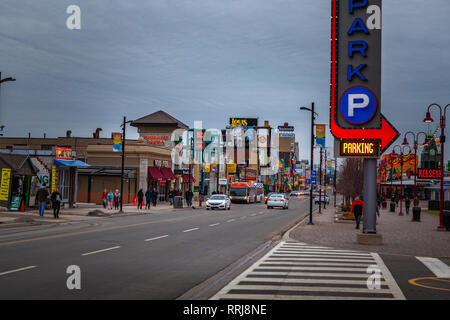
(357, 209)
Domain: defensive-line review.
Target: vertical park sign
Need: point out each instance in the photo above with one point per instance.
(355, 108)
(356, 121)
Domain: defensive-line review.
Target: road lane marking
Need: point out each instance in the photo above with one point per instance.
(64, 235)
(189, 230)
(102, 250)
(436, 266)
(17, 270)
(231, 220)
(156, 238)
(253, 214)
(244, 217)
(214, 224)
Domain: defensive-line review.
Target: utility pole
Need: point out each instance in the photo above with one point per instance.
(312, 161)
(335, 177)
(124, 124)
(320, 181)
(325, 182)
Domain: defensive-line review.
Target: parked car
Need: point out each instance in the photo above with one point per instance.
(278, 200)
(218, 201)
(322, 199)
(295, 194)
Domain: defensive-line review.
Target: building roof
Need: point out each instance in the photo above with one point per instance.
(19, 163)
(158, 118)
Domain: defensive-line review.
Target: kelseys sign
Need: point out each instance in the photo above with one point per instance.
(429, 174)
(356, 73)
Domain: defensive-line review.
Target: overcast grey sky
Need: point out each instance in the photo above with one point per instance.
(204, 60)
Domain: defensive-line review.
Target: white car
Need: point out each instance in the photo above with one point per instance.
(278, 200)
(218, 201)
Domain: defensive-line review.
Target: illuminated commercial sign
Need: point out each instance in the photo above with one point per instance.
(355, 110)
(243, 122)
(63, 153)
(429, 174)
(352, 148)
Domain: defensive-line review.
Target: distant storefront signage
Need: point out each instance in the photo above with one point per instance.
(63, 153)
(429, 173)
(4, 187)
(223, 182)
(117, 141)
(207, 167)
(157, 139)
(243, 122)
(53, 179)
(231, 167)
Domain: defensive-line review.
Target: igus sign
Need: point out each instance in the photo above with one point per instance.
(359, 63)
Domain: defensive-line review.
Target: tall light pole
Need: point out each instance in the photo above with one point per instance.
(428, 119)
(313, 114)
(123, 125)
(402, 154)
(9, 79)
(416, 144)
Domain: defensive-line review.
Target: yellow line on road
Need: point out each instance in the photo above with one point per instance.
(93, 231)
(414, 282)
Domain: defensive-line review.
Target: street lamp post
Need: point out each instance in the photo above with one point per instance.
(312, 159)
(428, 119)
(416, 144)
(123, 125)
(402, 154)
(9, 79)
(392, 155)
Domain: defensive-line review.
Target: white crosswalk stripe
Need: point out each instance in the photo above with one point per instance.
(297, 271)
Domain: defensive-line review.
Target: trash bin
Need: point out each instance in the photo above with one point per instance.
(392, 207)
(416, 214)
(446, 218)
(178, 202)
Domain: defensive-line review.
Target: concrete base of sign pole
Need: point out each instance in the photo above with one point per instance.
(369, 238)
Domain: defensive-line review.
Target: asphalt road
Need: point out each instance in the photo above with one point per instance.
(156, 256)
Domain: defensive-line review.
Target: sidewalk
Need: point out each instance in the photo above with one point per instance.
(81, 213)
(400, 234)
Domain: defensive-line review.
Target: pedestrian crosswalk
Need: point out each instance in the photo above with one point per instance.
(295, 271)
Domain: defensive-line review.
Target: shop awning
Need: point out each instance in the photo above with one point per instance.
(168, 174)
(70, 163)
(188, 178)
(155, 174)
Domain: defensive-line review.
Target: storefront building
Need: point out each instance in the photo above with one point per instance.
(16, 186)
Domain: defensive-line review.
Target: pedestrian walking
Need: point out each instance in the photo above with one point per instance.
(148, 199)
(42, 196)
(104, 200)
(407, 204)
(116, 199)
(154, 196)
(171, 196)
(357, 209)
(56, 203)
(189, 195)
(110, 198)
(140, 196)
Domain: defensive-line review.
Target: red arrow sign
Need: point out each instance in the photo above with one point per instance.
(387, 133)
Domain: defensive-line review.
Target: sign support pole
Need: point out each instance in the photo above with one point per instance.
(370, 196)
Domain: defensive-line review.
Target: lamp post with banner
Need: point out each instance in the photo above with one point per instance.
(428, 119)
(416, 145)
(402, 155)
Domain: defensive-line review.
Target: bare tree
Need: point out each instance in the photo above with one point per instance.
(350, 179)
